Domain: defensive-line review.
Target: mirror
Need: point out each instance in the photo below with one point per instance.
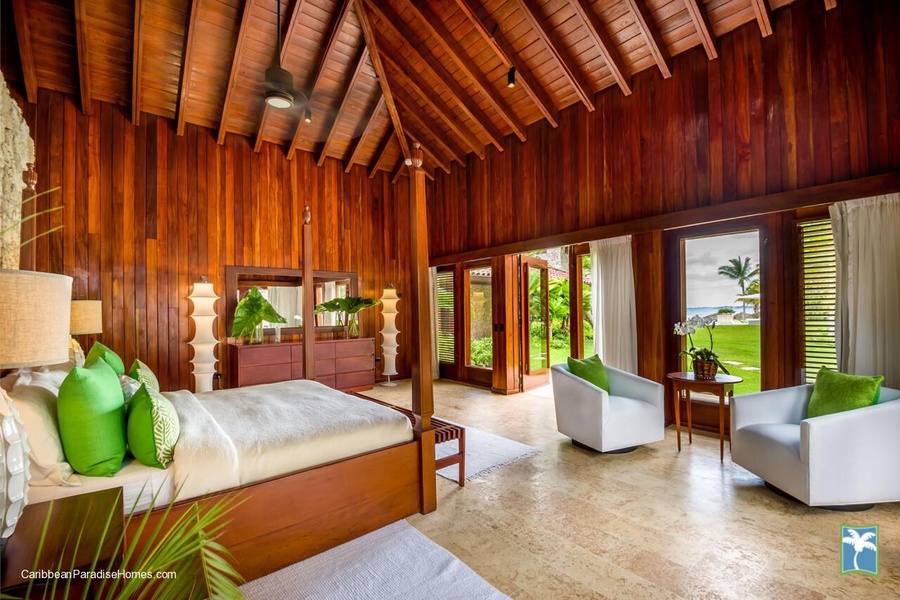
(284, 290)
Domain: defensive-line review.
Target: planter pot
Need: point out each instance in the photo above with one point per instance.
(705, 369)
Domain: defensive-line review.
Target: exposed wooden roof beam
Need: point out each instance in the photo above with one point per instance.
(351, 83)
(380, 152)
(604, 44)
(137, 59)
(187, 67)
(26, 52)
(292, 21)
(369, 35)
(466, 64)
(359, 143)
(552, 42)
(763, 16)
(829, 4)
(243, 32)
(431, 154)
(337, 23)
(421, 124)
(704, 28)
(393, 22)
(433, 100)
(84, 62)
(658, 49)
(399, 170)
(506, 53)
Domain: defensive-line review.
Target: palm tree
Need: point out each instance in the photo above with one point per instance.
(739, 269)
(859, 543)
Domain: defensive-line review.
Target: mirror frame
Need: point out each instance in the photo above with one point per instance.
(234, 274)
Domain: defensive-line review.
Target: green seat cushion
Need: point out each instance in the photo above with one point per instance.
(153, 428)
(590, 369)
(142, 373)
(91, 410)
(101, 352)
(836, 392)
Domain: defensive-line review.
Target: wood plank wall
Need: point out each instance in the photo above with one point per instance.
(815, 103)
(147, 212)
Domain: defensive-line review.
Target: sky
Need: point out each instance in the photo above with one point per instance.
(702, 259)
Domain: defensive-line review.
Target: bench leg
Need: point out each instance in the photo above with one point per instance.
(462, 459)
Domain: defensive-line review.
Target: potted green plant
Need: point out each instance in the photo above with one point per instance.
(351, 305)
(249, 315)
(705, 362)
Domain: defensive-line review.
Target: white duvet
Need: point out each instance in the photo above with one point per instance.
(239, 436)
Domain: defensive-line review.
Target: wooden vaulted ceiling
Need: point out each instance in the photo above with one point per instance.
(380, 74)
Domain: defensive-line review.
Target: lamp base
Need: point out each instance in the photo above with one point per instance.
(388, 383)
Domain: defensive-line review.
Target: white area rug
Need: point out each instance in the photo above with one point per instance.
(394, 562)
(485, 452)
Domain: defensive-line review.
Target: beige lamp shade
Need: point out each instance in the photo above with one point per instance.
(203, 312)
(389, 332)
(87, 317)
(34, 318)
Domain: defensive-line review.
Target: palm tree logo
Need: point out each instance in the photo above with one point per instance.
(860, 543)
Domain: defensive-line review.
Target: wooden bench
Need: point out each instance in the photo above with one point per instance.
(443, 432)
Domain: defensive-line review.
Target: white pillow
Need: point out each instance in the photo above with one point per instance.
(34, 396)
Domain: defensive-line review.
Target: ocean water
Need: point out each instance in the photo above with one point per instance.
(708, 310)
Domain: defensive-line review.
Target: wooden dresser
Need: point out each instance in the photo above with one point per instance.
(347, 365)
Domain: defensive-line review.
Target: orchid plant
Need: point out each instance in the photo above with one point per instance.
(689, 328)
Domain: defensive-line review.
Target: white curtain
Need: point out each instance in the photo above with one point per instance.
(432, 305)
(287, 302)
(612, 302)
(867, 246)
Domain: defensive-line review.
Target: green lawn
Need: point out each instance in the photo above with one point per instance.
(738, 344)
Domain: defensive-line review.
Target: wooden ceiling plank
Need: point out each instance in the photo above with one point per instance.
(84, 62)
(551, 41)
(351, 83)
(698, 16)
(829, 4)
(763, 16)
(604, 44)
(437, 105)
(187, 67)
(393, 22)
(26, 51)
(136, 63)
(449, 44)
(658, 49)
(334, 32)
(243, 32)
(360, 142)
(293, 20)
(369, 35)
(421, 124)
(380, 152)
(506, 53)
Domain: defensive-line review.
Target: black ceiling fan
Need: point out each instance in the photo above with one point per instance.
(280, 92)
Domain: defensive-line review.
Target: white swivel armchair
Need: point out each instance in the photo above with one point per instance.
(631, 415)
(849, 459)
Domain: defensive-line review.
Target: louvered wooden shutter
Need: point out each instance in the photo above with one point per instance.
(446, 318)
(819, 294)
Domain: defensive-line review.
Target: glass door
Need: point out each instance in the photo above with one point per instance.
(535, 320)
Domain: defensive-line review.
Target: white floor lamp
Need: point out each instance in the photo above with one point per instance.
(204, 342)
(389, 332)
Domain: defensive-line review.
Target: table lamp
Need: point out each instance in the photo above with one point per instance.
(87, 318)
(34, 331)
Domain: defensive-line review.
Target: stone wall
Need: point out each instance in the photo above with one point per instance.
(16, 150)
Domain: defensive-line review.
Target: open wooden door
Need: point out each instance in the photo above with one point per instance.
(534, 300)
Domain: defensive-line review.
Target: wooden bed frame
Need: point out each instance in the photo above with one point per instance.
(292, 517)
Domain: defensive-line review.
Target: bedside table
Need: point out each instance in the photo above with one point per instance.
(66, 518)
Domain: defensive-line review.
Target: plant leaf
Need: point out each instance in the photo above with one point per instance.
(252, 310)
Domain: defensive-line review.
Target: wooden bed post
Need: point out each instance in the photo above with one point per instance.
(309, 300)
(423, 392)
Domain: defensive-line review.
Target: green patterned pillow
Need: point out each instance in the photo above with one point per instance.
(153, 428)
(143, 374)
(101, 352)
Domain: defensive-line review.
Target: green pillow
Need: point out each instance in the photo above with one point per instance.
(591, 370)
(836, 392)
(142, 373)
(91, 412)
(153, 428)
(101, 352)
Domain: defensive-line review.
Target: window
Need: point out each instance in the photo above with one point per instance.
(446, 317)
(480, 334)
(817, 297)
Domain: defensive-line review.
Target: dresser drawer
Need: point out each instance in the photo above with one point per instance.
(265, 374)
(354, 363)
(361, 347)
(326, 380)
(360, 379)
(264, 354)
(324, 350)
(324, 367)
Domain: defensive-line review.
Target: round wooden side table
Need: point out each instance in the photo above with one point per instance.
(685, 383)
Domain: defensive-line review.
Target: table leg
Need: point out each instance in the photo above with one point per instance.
(690, 424)
(676, 395)
(730, 404)
(722, 426)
